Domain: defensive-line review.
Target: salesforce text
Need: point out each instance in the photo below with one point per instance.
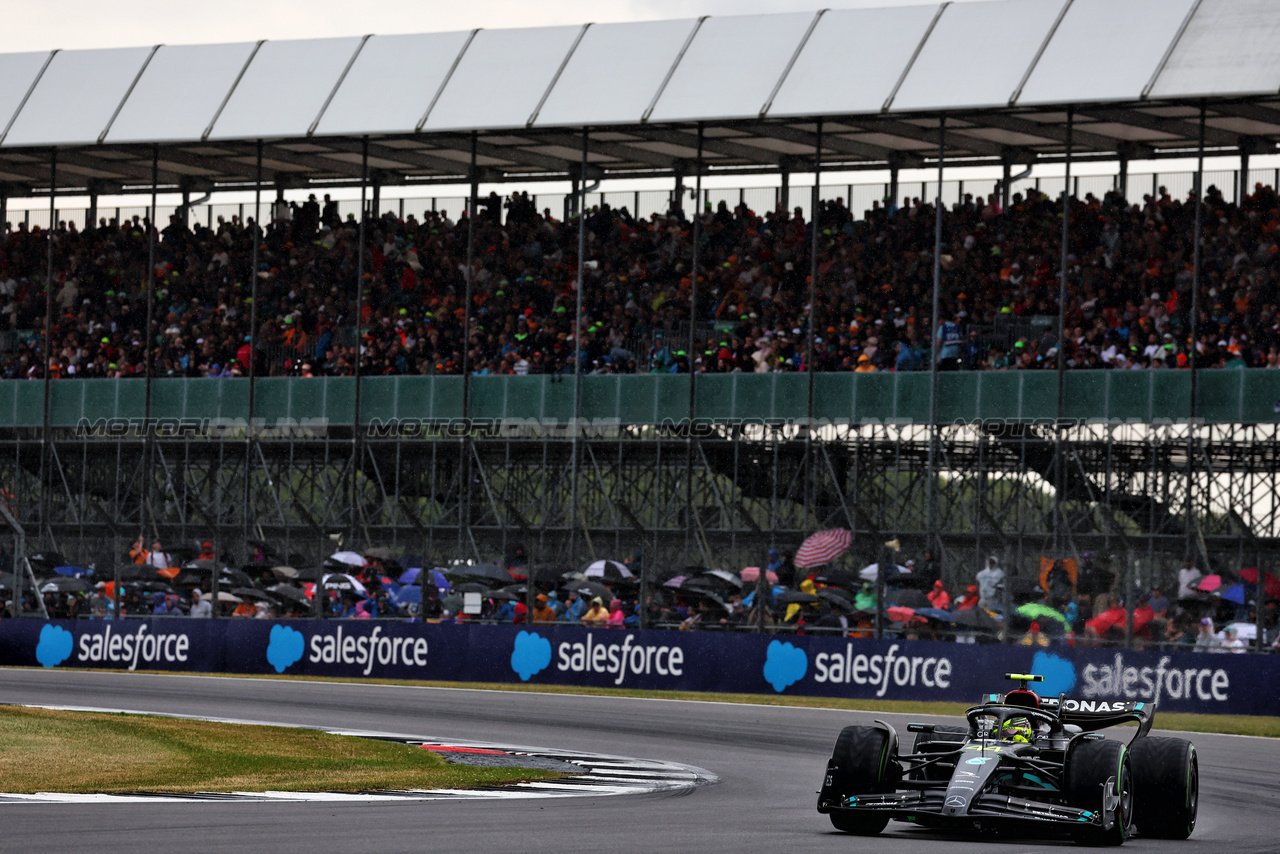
(1150, 683)
(133, 647)
(591, 657)
(879, 669)
(336, 649)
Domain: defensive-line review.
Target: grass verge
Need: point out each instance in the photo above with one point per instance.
(43, 750)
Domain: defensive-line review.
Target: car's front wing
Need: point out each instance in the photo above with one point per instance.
(985, 807)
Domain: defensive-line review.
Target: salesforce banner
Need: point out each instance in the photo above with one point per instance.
(658, 660)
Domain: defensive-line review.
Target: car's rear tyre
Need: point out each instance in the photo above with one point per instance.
(1166, 787)
(1089, 764)
(937, 772)
(862, 763)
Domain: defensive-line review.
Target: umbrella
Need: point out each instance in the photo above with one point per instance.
(797, 597)
(452, 604)
(77, 570)
(903, 615)
(223, 596)
(349, 558)
(1244, 631)
(909, 599)
(751, 574)
(505, 595)
(823, 547)
(483, 570)
(591, 589)
(407, 596)
(342, 582)
(205, 564)
(975, 618)
(1270, 584)
(727, 577)
(471, 587)
(250, 593)
(1209, 583)
(238, 578)
(1038, 611)
(836, 596)
(608, 569)
(675, 581)
(65, 585)
(284, 571)
(410, 576)
(840, 578)
(1234, 593)
(710, 598)
(310, 573)
(288, 592)
(935, 614)
(871, 570)
(380, 553)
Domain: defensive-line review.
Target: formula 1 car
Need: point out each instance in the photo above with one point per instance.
(1023, 765)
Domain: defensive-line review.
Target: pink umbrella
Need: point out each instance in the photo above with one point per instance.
(1210, 583)
(676, 582)
(752, 573)
(823, 547)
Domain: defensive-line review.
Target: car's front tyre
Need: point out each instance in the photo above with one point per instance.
(1166, 787)
(1089, 766)
(862, 763)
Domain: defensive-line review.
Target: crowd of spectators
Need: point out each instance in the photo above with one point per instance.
(1129, 276)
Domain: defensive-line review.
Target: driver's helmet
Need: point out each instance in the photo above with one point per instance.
(1016, 729)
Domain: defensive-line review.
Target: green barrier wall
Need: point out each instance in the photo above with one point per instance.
(1224, 396)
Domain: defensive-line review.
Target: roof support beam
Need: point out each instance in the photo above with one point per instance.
(620, 150)
(513, 153)
(829, 141)
(1055, 132)
(408, 156)
(1184, 130)
(906, 130)
(725, 147)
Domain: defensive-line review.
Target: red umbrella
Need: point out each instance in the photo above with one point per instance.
(1270, 583)
(752, 573)
(902, 614)
(1209, 583)
(823, 547)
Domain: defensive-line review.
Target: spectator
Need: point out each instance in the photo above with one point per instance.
(1188, 578)
(991, 585)
(542, 611)
(1206, 640)
(617, 617)
(597, 616)
(200, 607)
(939, 597)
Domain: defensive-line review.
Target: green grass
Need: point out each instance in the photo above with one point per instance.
(43, 750)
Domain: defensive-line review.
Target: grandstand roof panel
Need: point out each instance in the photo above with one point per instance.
(957, 66)
(1229, 48)
(180, 92)
(284, 88)
(502, 78)
(853, 61)
(615, 73)
(20, 70)
(1134, 69)
(731, 68)
(392, 84)
(1105, 50)
(76, 97)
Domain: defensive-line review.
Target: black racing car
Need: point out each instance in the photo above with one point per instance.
(1023, 764)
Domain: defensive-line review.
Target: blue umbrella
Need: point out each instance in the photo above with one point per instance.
(410, 576)
(71, 570)
(1234, 593)
(936, 614)
(407, 595)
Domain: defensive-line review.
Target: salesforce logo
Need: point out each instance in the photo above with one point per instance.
(784, 665)
(54, 646)
(1059, 674)
(530, 655)
(285, 648)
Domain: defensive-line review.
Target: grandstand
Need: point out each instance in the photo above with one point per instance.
(719, 364)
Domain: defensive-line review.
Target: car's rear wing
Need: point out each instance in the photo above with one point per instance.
(1091, 715)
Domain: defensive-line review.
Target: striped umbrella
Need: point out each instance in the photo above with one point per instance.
(823, 547)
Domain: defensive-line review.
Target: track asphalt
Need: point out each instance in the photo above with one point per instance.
(769, 759)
